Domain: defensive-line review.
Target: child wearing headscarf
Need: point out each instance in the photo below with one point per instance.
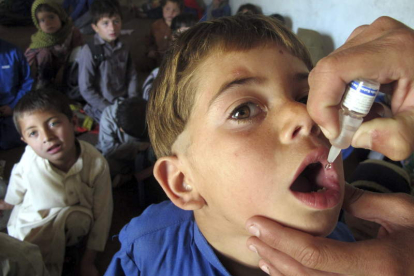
(53, 42)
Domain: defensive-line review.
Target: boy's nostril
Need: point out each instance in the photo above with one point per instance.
(296, 131)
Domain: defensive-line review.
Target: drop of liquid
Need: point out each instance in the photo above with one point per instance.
(328, 166)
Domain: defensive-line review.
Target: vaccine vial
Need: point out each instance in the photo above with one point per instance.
(358, 99)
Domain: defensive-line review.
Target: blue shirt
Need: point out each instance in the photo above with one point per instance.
(15, 79)
(165, 241)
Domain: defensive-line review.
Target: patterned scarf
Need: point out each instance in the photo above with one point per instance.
(41, 39)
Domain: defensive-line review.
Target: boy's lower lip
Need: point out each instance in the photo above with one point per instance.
(325, 199)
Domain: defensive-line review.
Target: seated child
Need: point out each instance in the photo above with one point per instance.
(52, 44)
(228, 122)
(249, 8)
(217, 9)
(150, 9)
(115, 77)
(20, 258)
(15, 81)
(79, 12)
(123, 139)
(160, 35)
(180, 23)
(195, 7)
(60, 191)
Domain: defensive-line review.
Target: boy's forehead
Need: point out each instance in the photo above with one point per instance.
(45, 13)
(37, 114)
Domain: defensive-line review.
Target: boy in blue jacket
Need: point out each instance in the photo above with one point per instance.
(15, 82)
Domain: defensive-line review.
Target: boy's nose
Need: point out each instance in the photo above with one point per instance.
(47, 136)
(295, 122)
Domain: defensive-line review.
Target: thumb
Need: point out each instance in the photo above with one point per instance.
(393, 137)
(389, 210)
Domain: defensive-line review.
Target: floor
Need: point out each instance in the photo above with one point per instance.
(126, 203)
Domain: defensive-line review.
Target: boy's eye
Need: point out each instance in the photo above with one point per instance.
(245, 111)
(55, 123)
(32, 133)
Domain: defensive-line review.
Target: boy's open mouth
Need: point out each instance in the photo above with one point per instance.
(315, 186)
(307, 181)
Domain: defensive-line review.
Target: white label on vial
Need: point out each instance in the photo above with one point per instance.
(359, 98)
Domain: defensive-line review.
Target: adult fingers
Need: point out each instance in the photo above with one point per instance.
(366, 33)
(275, 262)
(384, 59)
(393, 137)
(312, 252)
(368, 258)
(376, 207)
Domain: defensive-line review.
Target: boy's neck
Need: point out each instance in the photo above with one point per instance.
(229, 244)
(238, 269)
(68, 161)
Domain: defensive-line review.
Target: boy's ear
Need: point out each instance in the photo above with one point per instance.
(94, 27)
(169, 173)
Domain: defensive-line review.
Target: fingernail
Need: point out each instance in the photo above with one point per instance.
(253, 248)
(254, 230)
(265, 268)
(363, 141)
(326, 133)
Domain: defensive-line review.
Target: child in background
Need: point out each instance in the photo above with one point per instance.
(279, 17)
(228, 122)
(122, 138)
(15, 81)
(249, 8)
(217, 9)
(52, 43)
(151, 9)
(179, 24)
(80, 14)
(160, 34)
(60, 191)
(195, 7)
(115, 77)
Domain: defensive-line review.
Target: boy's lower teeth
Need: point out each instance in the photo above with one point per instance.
(321, 190)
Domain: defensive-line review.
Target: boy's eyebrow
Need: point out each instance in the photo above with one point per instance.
(235, 82)
(248, 80)
(47, 121)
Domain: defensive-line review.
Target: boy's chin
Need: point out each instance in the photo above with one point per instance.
(320, 228)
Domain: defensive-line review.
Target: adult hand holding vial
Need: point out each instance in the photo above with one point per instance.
(357, 102)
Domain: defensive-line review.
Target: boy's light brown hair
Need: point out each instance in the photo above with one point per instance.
(173, 93)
